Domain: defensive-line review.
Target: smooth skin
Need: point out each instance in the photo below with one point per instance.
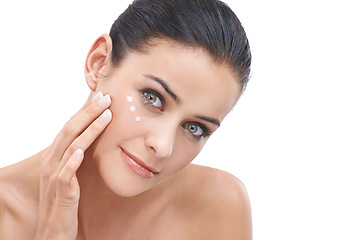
(80, 186)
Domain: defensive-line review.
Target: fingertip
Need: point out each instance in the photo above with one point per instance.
(78, 154)
(97, 97)
(106, 116)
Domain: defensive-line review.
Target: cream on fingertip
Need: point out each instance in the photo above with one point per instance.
(105, 116)
(104, 101)
(97, 97)
(78, 154)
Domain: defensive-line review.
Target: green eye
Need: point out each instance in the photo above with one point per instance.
(151, 97)
(194, 129)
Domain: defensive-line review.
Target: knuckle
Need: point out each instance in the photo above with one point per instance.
(48, 178)
(68, 129)
(52, 178)
(92, 109)
(62, 180)
(70, 150)
(96, 127)
(46, 173)
(45, 169)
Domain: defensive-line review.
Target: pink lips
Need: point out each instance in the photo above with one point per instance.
(137, 165)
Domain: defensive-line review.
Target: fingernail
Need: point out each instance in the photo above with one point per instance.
(78, 154)
(97, 97)
(104, 101)
(105, 116)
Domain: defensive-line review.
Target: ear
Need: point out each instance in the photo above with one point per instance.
(99, 56)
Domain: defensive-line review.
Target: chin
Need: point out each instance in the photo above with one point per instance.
(121, 180)
(127, 186)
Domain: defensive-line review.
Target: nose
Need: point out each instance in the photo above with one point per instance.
(161, 138)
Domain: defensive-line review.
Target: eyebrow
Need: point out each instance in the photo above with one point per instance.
(211, 120)
(177, 99)
(164, 85)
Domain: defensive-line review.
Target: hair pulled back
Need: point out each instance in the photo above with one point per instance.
(207, 24)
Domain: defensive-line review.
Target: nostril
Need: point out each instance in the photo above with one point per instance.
(152, 149)
(160, 145)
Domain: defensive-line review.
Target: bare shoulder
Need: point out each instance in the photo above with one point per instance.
(19, 180)
(220, 202)
(18, 198)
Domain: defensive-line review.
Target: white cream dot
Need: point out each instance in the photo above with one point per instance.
(138, 119)
(129, 99)
(132, 108)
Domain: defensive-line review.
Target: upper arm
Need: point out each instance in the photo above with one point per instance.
(237, 216)
(213, 204)
(2, 204)
(230, 210)
(11, 207)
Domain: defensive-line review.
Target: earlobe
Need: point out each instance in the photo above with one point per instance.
(99, 56)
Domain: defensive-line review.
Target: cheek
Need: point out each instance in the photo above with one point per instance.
(183, 154)
(129, 119)
(126, 120)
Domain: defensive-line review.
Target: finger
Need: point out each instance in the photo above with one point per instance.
(45, 165)
(77, 124)
(71, 166)
(87, 137)
(90, 99)
(69, 170)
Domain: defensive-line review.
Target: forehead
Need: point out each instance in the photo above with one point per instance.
(201, 83)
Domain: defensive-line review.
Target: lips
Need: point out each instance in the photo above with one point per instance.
(137, 165)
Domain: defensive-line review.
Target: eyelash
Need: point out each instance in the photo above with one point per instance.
(205, 130)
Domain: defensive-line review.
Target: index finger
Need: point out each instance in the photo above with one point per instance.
(77, 124)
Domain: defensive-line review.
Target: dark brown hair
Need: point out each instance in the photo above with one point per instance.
(208, 24)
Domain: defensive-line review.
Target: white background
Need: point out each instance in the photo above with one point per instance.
(286, 138)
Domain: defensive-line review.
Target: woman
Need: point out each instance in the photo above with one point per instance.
(162, 81)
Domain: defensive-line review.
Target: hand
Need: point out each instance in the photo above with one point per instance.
(59, 188)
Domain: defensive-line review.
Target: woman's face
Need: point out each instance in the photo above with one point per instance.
(165, 104)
